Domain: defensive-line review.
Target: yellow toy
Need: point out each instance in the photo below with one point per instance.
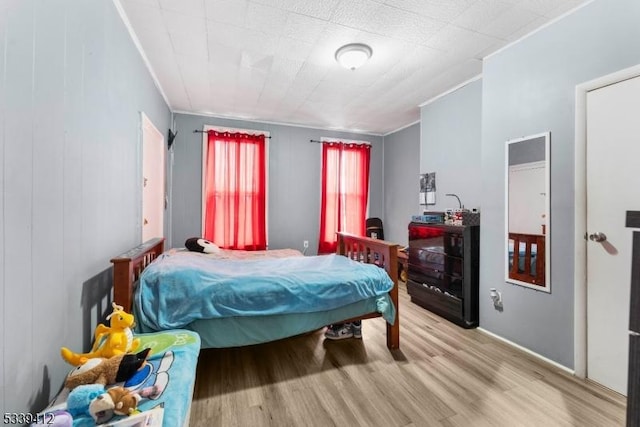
(110, 341)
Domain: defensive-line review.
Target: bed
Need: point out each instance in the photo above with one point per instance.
(527, 263)
(138, 279)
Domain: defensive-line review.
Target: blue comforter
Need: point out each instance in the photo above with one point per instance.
(180, 287)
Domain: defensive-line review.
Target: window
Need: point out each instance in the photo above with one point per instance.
(235, 189)
(345, 191)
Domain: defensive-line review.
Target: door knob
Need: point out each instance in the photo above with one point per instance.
(597, 237)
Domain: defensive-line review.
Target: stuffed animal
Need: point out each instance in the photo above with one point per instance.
(125, 402)
(90, 400)
(197, 244)
(107, 371)
(110, 341)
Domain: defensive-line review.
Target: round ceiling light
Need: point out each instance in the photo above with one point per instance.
(353, 55)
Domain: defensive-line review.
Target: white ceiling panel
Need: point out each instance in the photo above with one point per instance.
(526, 29)
(462, 42)
(481, 13)
(185, 7)
(403, 25)
(358, 14)
(241, 39)
(564, 7)
(540, 7)
(293, 48)
(310, 74)
(195, 25)
(265, 19)
(229, 11)
(507, 23)
(314, 8)
(303, 27)
(442, 10)
(223, 76)
(187, 44)
(223, 55)
(274, 60)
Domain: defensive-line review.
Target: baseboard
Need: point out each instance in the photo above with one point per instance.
(526, 350)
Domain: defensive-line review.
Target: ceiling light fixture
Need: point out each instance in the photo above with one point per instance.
(353, 55)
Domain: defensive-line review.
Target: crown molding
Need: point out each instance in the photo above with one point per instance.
(248, 119)
(453, 89)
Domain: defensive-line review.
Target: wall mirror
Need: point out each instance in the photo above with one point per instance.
(527, 212)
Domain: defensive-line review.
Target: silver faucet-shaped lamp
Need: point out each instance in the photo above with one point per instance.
(456, 196)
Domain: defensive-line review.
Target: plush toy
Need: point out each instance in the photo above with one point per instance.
(125, 402)
(107, 371)
(110, 341)
(90, 400)
(197, 244)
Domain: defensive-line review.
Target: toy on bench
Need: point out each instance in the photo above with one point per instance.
(112, 340)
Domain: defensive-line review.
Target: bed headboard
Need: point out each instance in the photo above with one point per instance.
(128, 266)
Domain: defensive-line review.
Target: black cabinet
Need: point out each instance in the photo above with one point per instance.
(443, 270)
(633, 382)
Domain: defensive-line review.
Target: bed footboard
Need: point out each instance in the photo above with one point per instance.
(384, 254)
(527, 263)
(128, 266)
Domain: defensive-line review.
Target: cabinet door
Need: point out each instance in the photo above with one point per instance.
(633, 388)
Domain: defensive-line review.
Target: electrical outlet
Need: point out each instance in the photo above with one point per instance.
(305, 244)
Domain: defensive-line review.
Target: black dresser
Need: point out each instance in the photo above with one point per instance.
(443, 270)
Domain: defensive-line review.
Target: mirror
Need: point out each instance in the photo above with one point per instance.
(527, 212)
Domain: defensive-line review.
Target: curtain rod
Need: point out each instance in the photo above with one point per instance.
(206, 131)
(339, 142)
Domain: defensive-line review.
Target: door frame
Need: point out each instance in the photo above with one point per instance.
(145, 122)
(580, 212)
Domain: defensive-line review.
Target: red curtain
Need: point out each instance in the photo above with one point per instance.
(345, 190)
(235, 191)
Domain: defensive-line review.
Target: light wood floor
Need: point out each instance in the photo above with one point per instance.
(442, 376)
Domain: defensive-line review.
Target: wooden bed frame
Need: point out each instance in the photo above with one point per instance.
(128, 266)
(533, 277)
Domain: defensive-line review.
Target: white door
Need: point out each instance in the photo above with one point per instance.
(613, 187)
(153, 177)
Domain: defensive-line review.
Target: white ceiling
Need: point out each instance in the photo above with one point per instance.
(273, 60)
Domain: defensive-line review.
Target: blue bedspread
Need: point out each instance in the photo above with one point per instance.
(181, 287)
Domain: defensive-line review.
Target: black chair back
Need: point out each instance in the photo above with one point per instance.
(374, 228)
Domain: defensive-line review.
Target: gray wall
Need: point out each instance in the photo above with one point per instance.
(401, 184)
(527, 89)
(72, 85)
(450, 146)
(294, 180)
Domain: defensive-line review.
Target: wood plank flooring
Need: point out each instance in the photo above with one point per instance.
(442, 376)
